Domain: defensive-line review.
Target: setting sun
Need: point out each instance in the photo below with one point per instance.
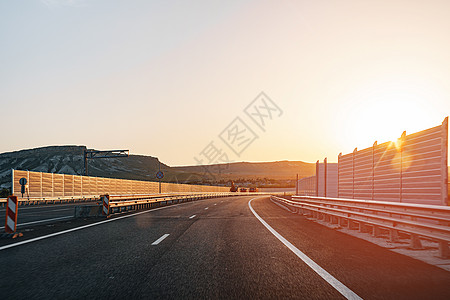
(381, 111)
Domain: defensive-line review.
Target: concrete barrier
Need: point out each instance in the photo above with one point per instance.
(84, 211)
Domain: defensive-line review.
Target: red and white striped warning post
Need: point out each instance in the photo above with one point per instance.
(105, 201)
(12, 208)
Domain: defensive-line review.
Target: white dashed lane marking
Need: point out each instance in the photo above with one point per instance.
(160, 239)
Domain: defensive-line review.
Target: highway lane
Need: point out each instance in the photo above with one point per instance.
(214, 248)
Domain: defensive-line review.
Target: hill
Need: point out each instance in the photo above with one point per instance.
(281, 170)
(69, 160)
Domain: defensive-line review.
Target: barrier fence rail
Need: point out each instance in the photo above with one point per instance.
(93, 198)
(52, 185)
(121, 203)
(51, 200)
(417, 220)
(412, 169)
(307, 186)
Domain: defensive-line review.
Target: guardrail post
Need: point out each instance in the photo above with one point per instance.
(317, 179)
(415, 242)
(393, 235)
(321, 216)
(444, 162)
(351, 225)
(301, 211)
(376, 231)
(363, 227)
(444, 251)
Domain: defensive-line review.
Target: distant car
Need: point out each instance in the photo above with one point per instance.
(243, 190)
(252, 190)
(234, 189)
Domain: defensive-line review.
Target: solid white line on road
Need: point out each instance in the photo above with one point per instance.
(82, 227)
(191, 217)
(206, 208)
(45, 212)
(160, 239)
(41, 221)
(339, 286)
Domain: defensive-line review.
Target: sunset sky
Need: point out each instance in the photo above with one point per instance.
(166, 78)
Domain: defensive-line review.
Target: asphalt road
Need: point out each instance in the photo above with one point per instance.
(213, 248)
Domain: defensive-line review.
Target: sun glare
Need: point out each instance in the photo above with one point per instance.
(381, 113)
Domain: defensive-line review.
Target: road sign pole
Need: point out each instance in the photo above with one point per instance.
(23, 182)
(159, 178)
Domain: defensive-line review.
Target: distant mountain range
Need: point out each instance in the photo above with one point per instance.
(69, 160)
(285, 170)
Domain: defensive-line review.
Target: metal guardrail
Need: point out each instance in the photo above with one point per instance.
(120, 204)
(72, 199)
(123, 203)
(418, 221)
(51, 200)
(91, 198)
(154, 196)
